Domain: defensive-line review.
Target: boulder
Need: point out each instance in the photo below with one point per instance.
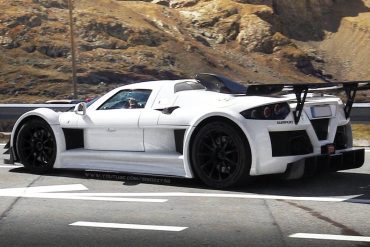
(54, 51)
(255, 34)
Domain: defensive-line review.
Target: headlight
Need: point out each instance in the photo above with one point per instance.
(278, 111)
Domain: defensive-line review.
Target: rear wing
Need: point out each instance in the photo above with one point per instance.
(222, 84)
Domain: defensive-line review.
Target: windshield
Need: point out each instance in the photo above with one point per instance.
(92, 101)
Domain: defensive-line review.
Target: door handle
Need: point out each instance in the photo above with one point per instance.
(111, 130)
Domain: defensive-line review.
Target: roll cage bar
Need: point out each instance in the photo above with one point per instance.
(224, 85)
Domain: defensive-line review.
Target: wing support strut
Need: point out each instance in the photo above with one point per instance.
(301, 94)
(350, 90)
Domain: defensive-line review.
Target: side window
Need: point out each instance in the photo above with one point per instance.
(127, 99)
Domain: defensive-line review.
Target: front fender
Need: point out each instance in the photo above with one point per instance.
(49, 116)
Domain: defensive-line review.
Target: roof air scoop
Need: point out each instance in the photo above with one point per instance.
(217, 83)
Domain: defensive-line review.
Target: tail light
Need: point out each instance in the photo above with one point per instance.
(278, 111)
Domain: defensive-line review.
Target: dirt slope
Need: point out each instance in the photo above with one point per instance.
(121, 42)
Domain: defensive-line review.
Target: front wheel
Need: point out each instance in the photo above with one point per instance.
(220, 155)
(36, 146)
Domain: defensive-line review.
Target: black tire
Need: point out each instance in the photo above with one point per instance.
(36, 146)
(221, 156)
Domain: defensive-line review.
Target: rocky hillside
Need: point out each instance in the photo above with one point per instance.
(120, 42)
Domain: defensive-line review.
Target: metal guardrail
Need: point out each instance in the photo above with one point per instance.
(11, 112)
(360, 113)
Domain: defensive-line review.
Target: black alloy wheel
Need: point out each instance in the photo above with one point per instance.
(221, 156)
(36, 146)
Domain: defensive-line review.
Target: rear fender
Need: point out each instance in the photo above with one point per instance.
(236, 119)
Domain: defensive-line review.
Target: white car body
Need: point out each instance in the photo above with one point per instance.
(148, 141)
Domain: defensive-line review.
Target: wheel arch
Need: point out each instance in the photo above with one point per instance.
(197, 125)
(49, 116)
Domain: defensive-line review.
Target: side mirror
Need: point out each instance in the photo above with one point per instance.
(80, 108)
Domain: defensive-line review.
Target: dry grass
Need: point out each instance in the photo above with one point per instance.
(361, 132)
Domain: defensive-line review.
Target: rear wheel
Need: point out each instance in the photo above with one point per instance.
(36, 146)
(220, 155)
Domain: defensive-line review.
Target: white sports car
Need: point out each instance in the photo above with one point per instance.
(209, 127)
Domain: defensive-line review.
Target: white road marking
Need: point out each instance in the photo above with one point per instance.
(241, 196)
(44, 189)
(130, 226)
(48, 192)
(331, 237)
(87, 198)
(10, 166)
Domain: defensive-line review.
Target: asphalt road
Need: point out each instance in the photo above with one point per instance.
(69, 208)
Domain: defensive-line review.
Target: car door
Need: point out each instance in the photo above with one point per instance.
(115, 124)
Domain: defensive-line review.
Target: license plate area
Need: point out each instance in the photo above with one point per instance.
(321, 111)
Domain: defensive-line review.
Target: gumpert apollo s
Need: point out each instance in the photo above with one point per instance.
(210, 127)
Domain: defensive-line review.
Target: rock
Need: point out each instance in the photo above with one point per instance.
(220, 39)
(182, 3)
(117, 30)
(255, 34)
(305, 66)
(146, 37)
(114, 29)
(279, 40)
(49, 93)
(265, 2)
(104, 77)
(60, 4)
(162, 2)
(26, 20)
(229, 28)
(207, 34)
(303, 19)
(40, 65)
(319, 59)
(168, 60)
(146, 1)
(54, 51)
(302, 63)
(276, 49)
(34, 21)
(202, 40)
(191, 48)
(8, 43)
(104, 44)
